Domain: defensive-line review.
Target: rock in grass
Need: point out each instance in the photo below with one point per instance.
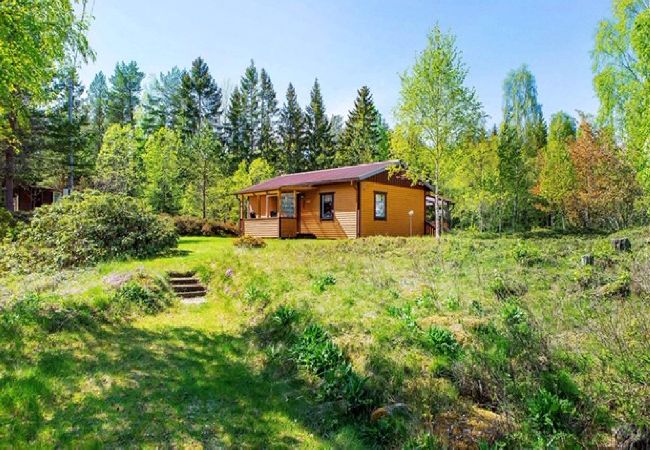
(622, 244)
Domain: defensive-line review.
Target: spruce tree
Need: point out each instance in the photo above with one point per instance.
(200, 99)
(361, 137)
(292, 134)
(235, 121)
(319, 140)
(98, 104)
(250, 91)
(123, 96)
(268, 120)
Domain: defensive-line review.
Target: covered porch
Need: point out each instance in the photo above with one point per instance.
(271, 214)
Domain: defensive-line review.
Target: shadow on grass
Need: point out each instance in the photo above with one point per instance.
(123, 387)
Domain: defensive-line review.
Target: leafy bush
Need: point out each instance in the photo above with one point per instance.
(504, 288)
(88, 227)
(249, 242)
(196, 226)
(527, 254)
(7, 222)
(316, 352)
(443, 342)
(549, 413)
(284, 316)
(322, 282)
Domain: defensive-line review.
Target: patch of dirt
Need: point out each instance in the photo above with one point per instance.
(465, 429)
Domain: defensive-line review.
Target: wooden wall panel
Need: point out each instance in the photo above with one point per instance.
(344, 224)
(400, 200)
(265, 228)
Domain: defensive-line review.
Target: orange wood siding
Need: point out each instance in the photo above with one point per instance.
(344, 224)
(265, 228)
(399, 201)
(288, 227)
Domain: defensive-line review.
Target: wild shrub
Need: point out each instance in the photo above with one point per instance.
(197, 226)
(284, 316)
(504, 288)
(249, 242)
(142, 298)
(88, 227)
(443, 342)
(316, 352)
(549, 413)
(527, 254)
(322, 282)
(7, 223)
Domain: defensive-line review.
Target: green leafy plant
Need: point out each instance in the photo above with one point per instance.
(443, 342)
(284, 316)
(322, 282)
(549, 413)
(255, 294)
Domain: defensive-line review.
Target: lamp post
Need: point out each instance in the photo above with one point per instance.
(411, 223)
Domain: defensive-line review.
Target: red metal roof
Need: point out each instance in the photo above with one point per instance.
(337, 175)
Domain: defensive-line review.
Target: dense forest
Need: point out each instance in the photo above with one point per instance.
(186, 144)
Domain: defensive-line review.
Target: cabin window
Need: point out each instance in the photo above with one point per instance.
(327, 206)
(288, 204)
(380, 206)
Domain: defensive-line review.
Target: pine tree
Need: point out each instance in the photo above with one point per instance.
(123, 96)
(161, 102)
(200, 99)
(319, 141)
(268, 120)
(292, 134)
(360, 139)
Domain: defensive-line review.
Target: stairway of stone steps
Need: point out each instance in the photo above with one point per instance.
(187, 286)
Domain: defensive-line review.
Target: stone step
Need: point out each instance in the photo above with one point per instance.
(181, 281)
(188, 288)
(192, 294)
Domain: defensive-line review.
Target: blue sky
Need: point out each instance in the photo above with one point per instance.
(347, 44)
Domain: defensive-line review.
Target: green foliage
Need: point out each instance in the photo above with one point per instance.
(195, 226)
(319, 138)
(119, 167)
(199, 99)
(527, 254)
(284, 316)
(7, 223)
(162, 188)
(443, 342)
(86, 228)
(550, 413)
(123, 96)
(255, 294)
(323, 281)
(436, 113)
(504, 288)
(292, 134)
(361, 138)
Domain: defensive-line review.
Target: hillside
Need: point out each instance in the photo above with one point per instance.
(389, 342)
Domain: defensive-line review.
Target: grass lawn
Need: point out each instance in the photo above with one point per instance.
(210, 375)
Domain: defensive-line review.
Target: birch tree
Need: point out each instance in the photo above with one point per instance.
(435, 113)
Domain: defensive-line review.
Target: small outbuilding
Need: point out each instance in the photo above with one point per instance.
(345, 202)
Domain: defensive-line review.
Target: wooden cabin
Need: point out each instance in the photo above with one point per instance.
(345, 202)
(28, 198)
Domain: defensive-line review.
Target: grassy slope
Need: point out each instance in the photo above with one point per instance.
(192, 376)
